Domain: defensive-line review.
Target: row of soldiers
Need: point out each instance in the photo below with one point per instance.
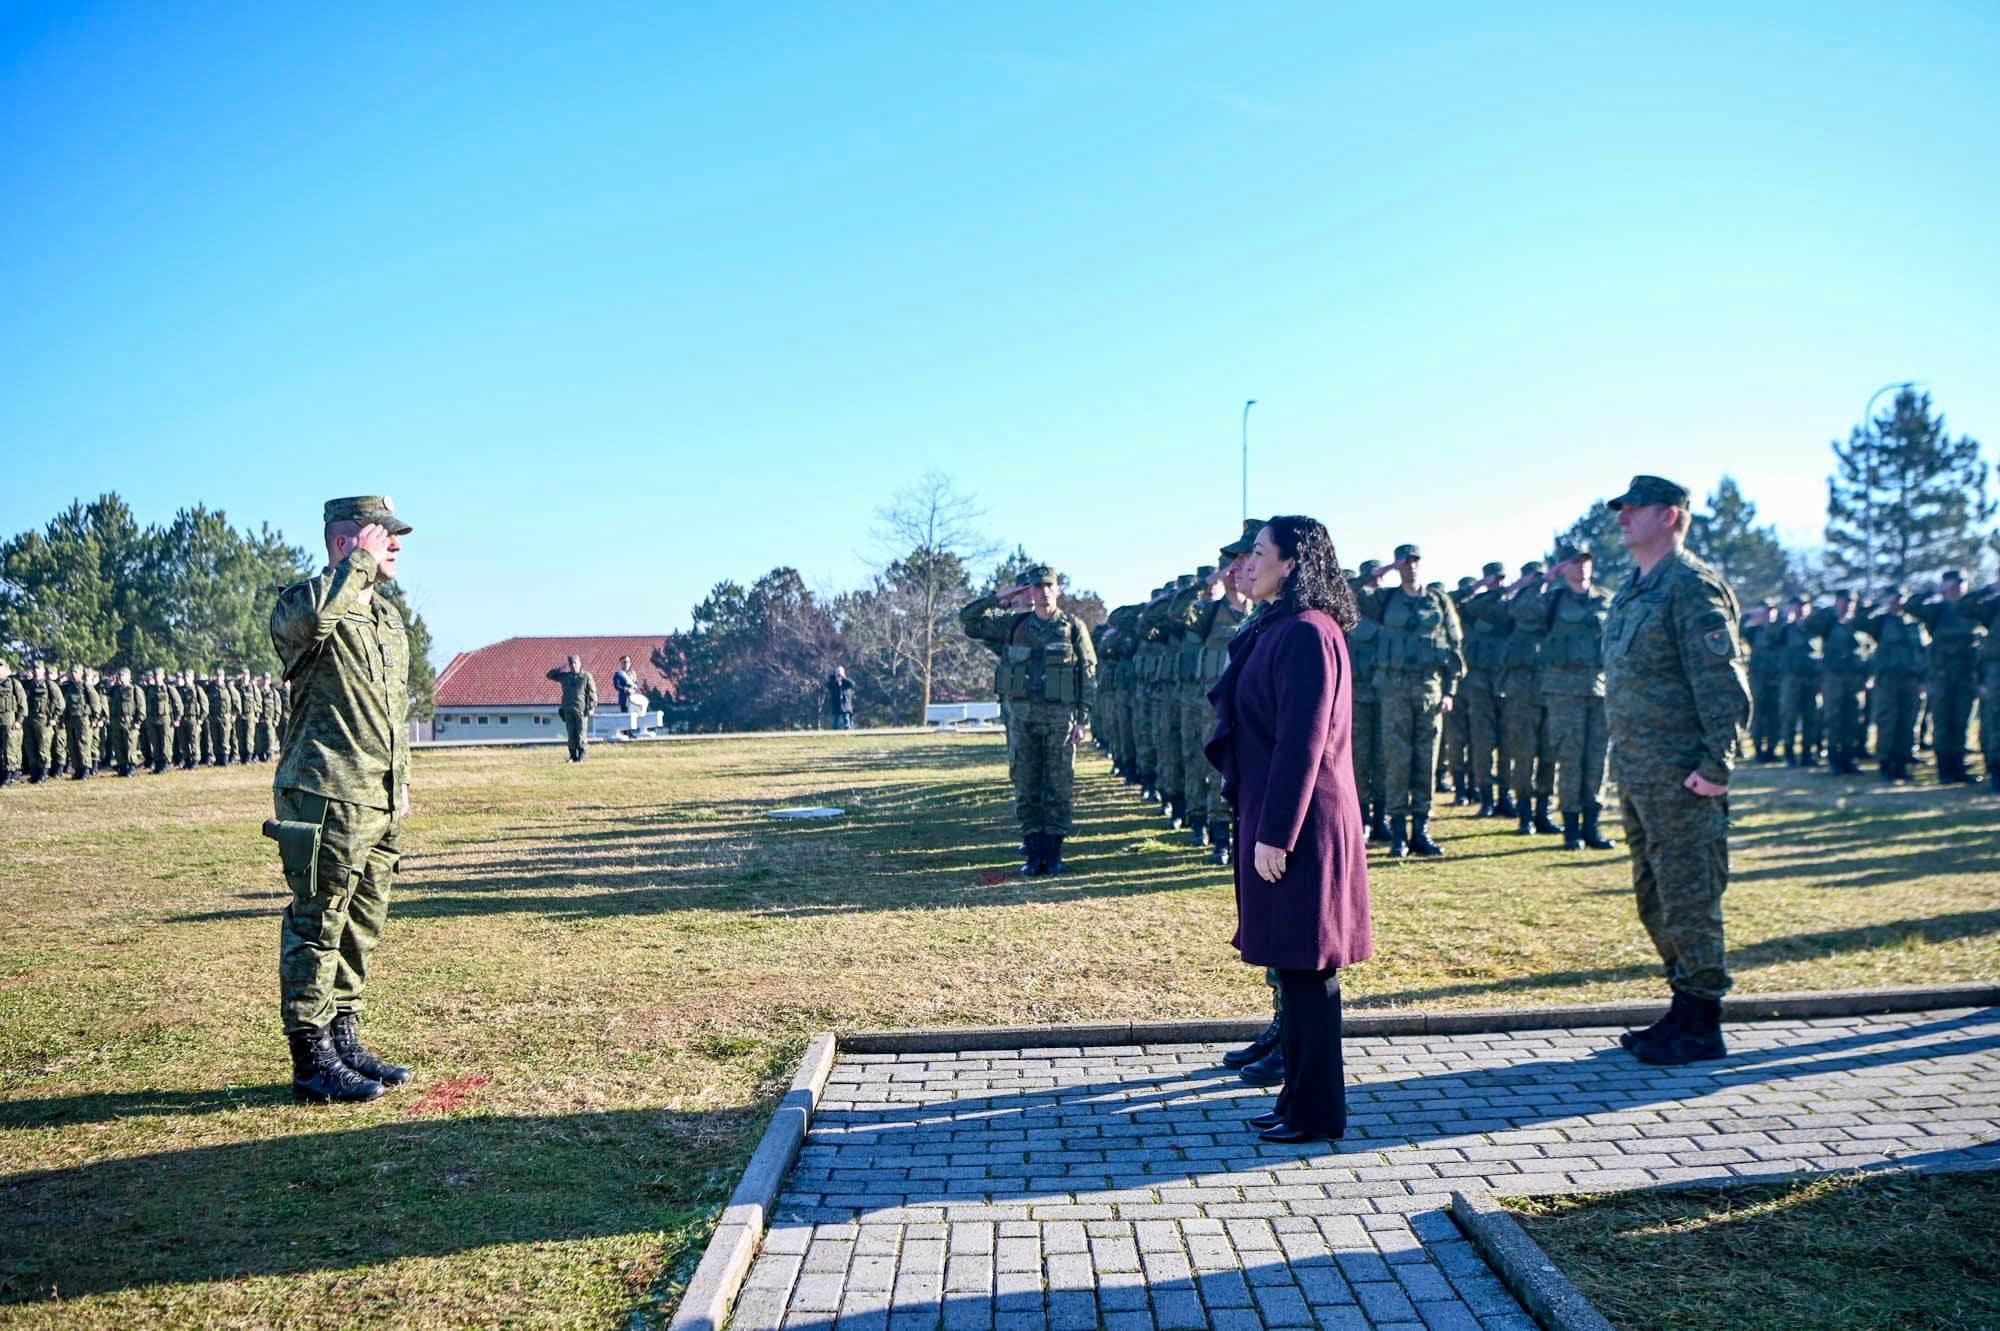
(1820, 675)
(83, 723)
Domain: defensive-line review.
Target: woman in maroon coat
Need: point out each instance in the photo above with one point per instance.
(1284, 726)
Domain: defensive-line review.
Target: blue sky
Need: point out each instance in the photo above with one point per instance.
(621, 300)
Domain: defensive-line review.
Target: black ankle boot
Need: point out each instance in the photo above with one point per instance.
(1504, 806)
(1572, 832)
(1420, 837)
(1526, 823)
(1486, 806)
(318, 1075)
(1266, 1071)
(1176, 813)
(1031, 854)
(1592, 837)
(1462, 791)
(1399, 844)
(1199, 836)
(1052, 852)
(1696, 1040)
(1256, 1049)
(1218, 838)
(1542, 823)
(347, 1043)
(1378, 823)
(1659, 1030)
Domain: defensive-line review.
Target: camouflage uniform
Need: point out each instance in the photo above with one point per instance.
(81, 702)
(1531, 767)
(1957, 637)
(221, 720)
(1573, 695)
(127, 706)
(1483, 611)
(578, 705)
(1363, 641)
(193, 737)
(163, 719)
(13, 715)
(40, 723)
(1845, 652)
(249, 713)
(1902, 660)
(1050, 681)
(1177, 675)
(1417, 666)
(1800, 667)
(1767, 682)
(1149, 666)
(1210, 640)
(1678, 702)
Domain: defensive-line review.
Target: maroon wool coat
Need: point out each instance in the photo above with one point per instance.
(1283, 743)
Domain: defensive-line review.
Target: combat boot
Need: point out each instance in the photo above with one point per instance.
(1592, 837)
(1199, 836)
(1031, 854)
(1503, 807)
(1660, 1029)
(1442, 786)
(1526, 824)
(1572, 832)
(1542, 823)
(1399, 844)
(1147, 795)
(1486, 806)
(1176, 813)
(318, 1075)
(1218, 837)
(1266, 1071)
(1378, 826)
(1994, 781)
(1256, 1049)
(1420, 837)
(1696, 1040)
(1052, 852)
(347, 1043)
(1462, 791)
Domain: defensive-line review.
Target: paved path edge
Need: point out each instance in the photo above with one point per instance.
(1523, 1267)
(712, 1290)
(1365, 1024)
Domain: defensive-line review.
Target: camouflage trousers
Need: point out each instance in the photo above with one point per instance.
(1128, 740)
(260, 740)
(80, 745)
(36, 760)
(187, 748)
(240, 739)
(125, 751)
(1766, 710)
(1173, 753)
(1896, 700)
(1529, 768)
(1146, 727)
(10, 751)
(1799, 716)
(1412, 717)
(1203, 783)
(1951, 714)
(340, 902)
(1486, 754)
(1367, 750)
(1845, 722)
(156, 739)
(1455, 750)
(1679, 843)
(1579, 743)
(220, 729)
(1042, 763)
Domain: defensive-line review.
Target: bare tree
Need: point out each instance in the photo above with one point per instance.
(929, 535)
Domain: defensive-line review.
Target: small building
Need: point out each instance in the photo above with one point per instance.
(503, 691)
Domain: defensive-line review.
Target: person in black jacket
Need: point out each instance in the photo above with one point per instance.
(840, 699)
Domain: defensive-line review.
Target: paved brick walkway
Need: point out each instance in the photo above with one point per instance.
(1117, 1187)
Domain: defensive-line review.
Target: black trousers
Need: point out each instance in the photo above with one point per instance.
(1314, 1098)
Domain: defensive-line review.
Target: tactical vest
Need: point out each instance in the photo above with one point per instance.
(1040, 661)
(1485, 645)
(1847, 651)
(1576, 638)
(1413, 634)
(1800, 655)
(1212, 656)
(1902, 647)
(1954, 637)
(1523, 650)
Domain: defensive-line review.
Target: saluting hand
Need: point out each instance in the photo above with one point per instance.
(1269, 862)
(374, 538)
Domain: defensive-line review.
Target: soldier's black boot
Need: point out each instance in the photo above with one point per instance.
(318, 1075)
(347, 1043)
(1526, 822)
(1256, 1049)
(1542, 823)
(1378, 825)
(1199, 836)
(1442, 786)
(1572, 832)
(1463, 792)
(1149, 795)
(1399, 844)
(1266, 1071)
(1218, 837)
(1486, 806)
(1420, 837)
(1665, 1026)
(1052, 852)
(1592, 837)
(1031, 858)
(1696, 1040)
(1504, 806)
(1993, 780)
(1176, 813)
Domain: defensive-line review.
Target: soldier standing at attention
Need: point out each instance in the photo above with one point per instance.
(127, 707)
(1902, 661)
(1573, 694)
(1049, 681)
(1765, 636)
(1183, 658)
(13, 716)
(341, 794)
(1677, 698)
(1845, 652)
(248, 708)
(1417, 668)
(1483, 611)
(221, 717)
(1956, 640)
(100, 712)
(194, 721)
(80, 701)
(1985, 607)
(38, 726)
(579, 703)
(163, 718)
(1531, 777)
(1798, 694)
(267, 719)
(1227, 609)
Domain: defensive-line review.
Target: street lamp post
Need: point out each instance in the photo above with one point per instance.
(1246, 457)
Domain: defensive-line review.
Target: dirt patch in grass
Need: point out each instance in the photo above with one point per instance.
(1849, 1253)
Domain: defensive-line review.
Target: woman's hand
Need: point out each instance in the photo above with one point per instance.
(1269, 862)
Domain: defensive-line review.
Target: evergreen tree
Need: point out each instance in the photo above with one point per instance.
(1597, 531)
(1906, 500)
(423, 676)
(1749, 557)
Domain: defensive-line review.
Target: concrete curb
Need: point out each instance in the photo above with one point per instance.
(1364, 1024)
(711, 1292)
(1523, 1267)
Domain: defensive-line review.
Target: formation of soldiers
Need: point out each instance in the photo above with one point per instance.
(1822, 675)
(79, 723)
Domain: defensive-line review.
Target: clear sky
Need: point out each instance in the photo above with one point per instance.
(619, 300)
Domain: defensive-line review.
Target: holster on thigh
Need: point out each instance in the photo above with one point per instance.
(298, 849)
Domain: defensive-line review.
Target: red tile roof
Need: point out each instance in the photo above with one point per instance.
(514, 673)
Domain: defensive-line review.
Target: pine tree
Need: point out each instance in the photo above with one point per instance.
(1749, 557)
(1906, 500)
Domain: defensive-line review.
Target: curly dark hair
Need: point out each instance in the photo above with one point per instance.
(1315, 582)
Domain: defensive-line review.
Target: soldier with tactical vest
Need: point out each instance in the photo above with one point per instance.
(163, 720)
(1225, 610)
(1573, 695)
(13, 716)
(1363, 640)
(1050, 682)
(1532, 775)
(1418, 664)
(1957, 637)
(221, 717)
(1846, 652)
(126, 707)
(1902, 665)
(1149, 665)
(1115, 681)
(40, 723)
(1176, 674)
(1482, 609)
(81, 703)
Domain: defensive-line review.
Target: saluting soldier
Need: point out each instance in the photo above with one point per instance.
(1677, 696)
(1050, 682)
(340, 795)
(13, 716)
(1418, 664)
(1902, 662)
(578, 705)
(1482, 609)
(1846, 649)
(1764, 632)
(1957, 635)
(1573, 694)
(1801, 666)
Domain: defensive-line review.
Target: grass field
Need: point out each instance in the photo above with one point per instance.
(603, 974)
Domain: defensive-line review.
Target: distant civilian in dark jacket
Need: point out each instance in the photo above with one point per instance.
(840, 699)
(1283, 745)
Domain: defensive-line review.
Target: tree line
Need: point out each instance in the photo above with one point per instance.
(94, 587)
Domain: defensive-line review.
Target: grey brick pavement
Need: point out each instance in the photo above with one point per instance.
(1064, 1189)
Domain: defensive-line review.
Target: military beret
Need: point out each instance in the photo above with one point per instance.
(1953, 575)
(1408, 552)
(1204, 573)
(1532, 566)
(1243, 544)
(1651, 490)
(366, 509)
(1037, 575)
(1493, 568)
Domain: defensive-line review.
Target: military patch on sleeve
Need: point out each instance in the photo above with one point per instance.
(1720, 642)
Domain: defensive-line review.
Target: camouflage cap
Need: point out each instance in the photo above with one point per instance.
(1952, 575)
(1493, 568)
(1204, 573)
(1896, 589)
(1037, 575)
(1243, 544)
(1532, 566)
(1465, 584)
(1650, 490)
(1847, 594)
(1368, 566)
(1409, 551)
(1183, 582)
(1566, 552)
(366, 509)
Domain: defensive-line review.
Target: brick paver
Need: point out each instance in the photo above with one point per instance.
(1065, 1189)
